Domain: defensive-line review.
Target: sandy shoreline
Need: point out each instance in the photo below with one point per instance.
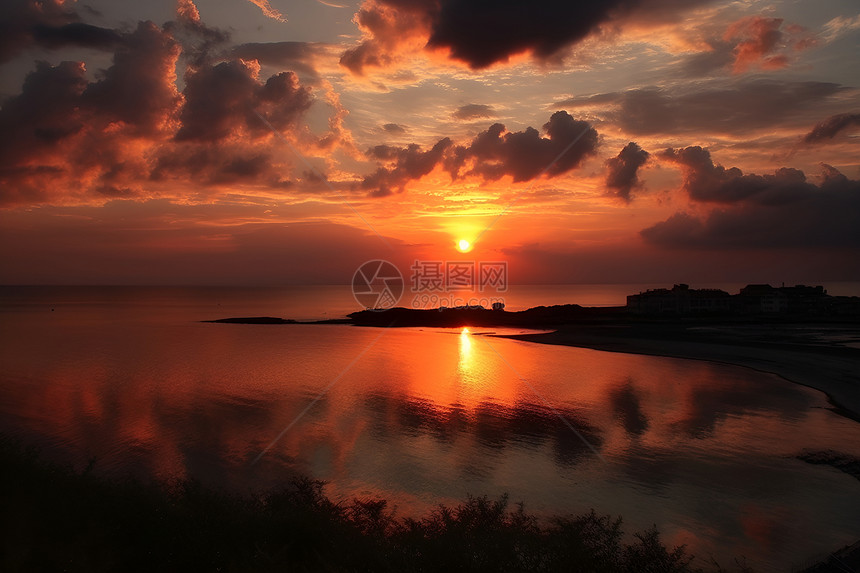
(832, 370)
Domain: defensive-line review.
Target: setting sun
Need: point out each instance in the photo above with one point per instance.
(464, 246)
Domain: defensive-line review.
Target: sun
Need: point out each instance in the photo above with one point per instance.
(464, 246)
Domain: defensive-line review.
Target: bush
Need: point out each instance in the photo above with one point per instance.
(54, 518)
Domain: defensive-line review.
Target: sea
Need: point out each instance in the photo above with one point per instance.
(132, 378)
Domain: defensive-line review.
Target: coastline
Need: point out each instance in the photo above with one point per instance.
(832, 370)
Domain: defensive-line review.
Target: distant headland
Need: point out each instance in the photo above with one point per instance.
(754, 303)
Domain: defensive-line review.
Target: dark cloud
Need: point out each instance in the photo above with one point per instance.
(735, 108)
(830, 127)
(394, 128)
(76, 34)
(50, 24)
(139, 89)
(481, 33)
(20, 18)
(474, 111)
(45, 112)
(216, 165)
(408, 164)
(220, 99)
(526, 154)
(621, 170)
(708, 182)
(35, 125)
(782, 210)
(492, 154)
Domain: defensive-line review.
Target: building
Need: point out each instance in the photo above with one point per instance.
(761, 298)
(797, 300)
(681, 299)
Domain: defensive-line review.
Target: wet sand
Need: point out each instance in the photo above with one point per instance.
(832, 369)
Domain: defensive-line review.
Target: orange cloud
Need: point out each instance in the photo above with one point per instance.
(387, 32)
(267, 9)
(132, 133)
(762, 42)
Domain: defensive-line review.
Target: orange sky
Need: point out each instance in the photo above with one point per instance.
(270, 143)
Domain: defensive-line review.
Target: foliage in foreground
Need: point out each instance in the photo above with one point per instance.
(53, 519)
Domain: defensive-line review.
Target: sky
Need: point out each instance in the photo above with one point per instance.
(286, 142)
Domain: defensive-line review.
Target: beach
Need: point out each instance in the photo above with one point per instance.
(803, 357)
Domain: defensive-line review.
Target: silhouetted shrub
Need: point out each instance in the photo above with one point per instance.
(54, 518)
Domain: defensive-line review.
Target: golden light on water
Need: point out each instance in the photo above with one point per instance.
(465, 360)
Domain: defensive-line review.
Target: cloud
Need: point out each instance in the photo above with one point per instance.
(139, 89)
(20, 18)
(839, 26)
(394, 128)
(201, 44)
(782, 210)
(480, 35)
(491, 155)
(704, 181)
(524, 155)
(407, 164)
(75, 34)
(66, 136)
(186, 11)
(35, 124)
(474, 111)
(387, 27)
(129, 131)
(830, 127)
(762, 42)
(621, 170)
(295, 56)
(267, 9)
(736, 107)
(749, 44)
(219, 101)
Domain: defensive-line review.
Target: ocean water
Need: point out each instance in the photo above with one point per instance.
(422, 416)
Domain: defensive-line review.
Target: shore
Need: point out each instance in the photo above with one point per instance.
(829, 368)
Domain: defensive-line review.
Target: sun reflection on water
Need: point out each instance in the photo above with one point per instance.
(465, 362)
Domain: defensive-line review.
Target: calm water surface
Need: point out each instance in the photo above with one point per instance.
(420, 416)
